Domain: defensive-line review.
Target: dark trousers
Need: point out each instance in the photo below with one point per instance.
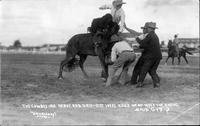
(144, 66)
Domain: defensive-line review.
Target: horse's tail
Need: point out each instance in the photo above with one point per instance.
(72, 64)
(71, 55)
(188, 52)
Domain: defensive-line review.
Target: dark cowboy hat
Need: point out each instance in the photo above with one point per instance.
(149, 25)
(176, 35)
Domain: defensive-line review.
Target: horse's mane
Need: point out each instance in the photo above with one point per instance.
(103, 24)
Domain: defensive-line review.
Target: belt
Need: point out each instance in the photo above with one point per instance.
(127, 51)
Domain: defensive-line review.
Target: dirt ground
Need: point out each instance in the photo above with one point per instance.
(31, 94)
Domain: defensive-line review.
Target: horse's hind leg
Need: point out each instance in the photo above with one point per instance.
(166, 60)
(62, 64)
(81, 62)
(179, 60)
(185, 59)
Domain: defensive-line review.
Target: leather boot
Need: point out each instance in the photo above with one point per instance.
(109, 81)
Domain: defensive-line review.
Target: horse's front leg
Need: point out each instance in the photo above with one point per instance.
(166, 60)
(104, 66)
(104, 74)
(107, 63)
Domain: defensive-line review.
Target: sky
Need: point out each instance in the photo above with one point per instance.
(38, 22)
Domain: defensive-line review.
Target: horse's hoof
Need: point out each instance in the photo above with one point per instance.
(139, 85)
(104, 79)
(60, 78)
(85, 78)
(107, 86)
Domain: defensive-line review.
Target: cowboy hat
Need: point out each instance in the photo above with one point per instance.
(149, 25)
(118, 2)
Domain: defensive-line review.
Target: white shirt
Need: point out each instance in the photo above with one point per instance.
(118, 48)
(176, 40)
(178, 43)
(118, 15)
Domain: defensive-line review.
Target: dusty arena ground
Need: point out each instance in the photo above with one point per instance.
(31, 94)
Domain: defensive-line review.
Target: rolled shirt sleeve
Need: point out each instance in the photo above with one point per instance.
(122, 21)
(114, 54)
(144, 42)
(142, 36)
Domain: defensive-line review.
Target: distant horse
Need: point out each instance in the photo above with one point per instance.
(172, 53)
(88, 44)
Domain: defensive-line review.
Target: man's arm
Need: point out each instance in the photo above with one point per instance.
(122, 23)
(113, 54)
(144, 43)
(135, 33)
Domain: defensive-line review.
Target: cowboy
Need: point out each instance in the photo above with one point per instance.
(150, 58)
(122, 55)
(136, 70)
(117, 12)
(176, 43)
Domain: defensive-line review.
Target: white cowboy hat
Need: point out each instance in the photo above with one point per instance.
(118, 2)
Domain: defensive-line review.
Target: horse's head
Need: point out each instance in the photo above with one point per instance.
(103, 39)
(113, 28)
(98, 39)
(102, 42)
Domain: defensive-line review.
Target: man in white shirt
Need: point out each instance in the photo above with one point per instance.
(117, 12)
(122, 55)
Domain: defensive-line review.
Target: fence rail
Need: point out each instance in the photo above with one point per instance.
(137, 51)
